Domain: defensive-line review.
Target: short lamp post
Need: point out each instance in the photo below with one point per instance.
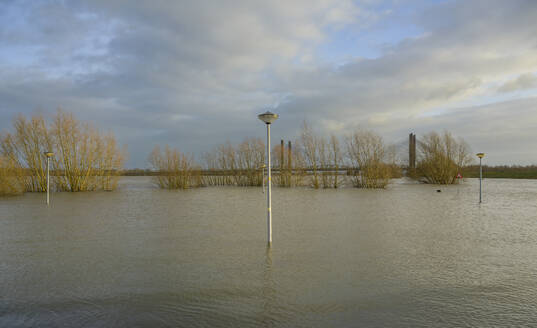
(480, 155)
(268, 118)
(49, 155)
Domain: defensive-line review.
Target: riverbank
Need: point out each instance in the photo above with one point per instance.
(502, 172)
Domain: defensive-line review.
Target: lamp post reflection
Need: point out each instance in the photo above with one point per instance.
(268, 292)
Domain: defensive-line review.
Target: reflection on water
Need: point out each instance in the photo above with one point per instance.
(269, 293)
(403, 257)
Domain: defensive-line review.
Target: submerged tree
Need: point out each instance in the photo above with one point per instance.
(11, 182)
(83, 158)
(250, 156)
(335, 159)
(442, 157)
(321, 157)
(291, 165)
(312, 146)
(367, 153)
(236, 165)
(175, 169)
(25, 147)
(88, 160)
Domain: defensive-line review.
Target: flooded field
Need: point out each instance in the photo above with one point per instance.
(408, 256)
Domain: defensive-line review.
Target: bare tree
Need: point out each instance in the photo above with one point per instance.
(324, 162)
(293, 169)
(337, 158)
(25, 148)
(175, 169)
(88, 160)
(311, 144)
(236, 165)
(367, 154)
(212, 177)
(227, 162)
(251, 156)
(11, 177)
(83, 159)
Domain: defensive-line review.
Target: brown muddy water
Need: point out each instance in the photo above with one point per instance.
(407, 256)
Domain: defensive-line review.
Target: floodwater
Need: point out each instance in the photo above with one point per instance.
(408, 256)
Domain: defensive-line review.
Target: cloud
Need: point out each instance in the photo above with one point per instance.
(193, 74)
(522, 82)
(503, 130)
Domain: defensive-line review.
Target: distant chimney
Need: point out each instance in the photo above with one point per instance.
(282, 148)
(412, 151)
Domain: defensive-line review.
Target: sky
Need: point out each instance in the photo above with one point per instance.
(195, 74)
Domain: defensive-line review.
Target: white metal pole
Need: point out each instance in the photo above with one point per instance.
(480, 178)
(48, 180)
(269, 183)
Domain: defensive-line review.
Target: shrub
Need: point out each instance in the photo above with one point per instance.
(367, 153)
(11, 178)
(83, 158)
(441, 157)
(175, 169)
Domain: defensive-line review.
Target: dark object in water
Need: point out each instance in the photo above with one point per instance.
(438, 190)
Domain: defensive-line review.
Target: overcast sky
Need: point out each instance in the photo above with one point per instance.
(193, 74)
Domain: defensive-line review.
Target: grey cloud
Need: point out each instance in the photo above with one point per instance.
(451, 62)
(522, 82)
(504, 130)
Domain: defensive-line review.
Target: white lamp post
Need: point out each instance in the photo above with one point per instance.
(480, 155)
(268, 118)
(48, 154)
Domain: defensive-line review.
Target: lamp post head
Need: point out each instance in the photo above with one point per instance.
(268, 117)
(480, 155)
(49, 154)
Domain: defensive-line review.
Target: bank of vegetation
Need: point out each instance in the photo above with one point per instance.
(84, 158)
(502, 171)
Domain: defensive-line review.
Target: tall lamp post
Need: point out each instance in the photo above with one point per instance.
(268, 118)
(480, 155)
(48, 154)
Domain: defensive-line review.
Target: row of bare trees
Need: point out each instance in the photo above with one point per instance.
(226, 165)
(372, 162)
(84, 159)
(316, 161)
(362, 158)
(239, 165)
